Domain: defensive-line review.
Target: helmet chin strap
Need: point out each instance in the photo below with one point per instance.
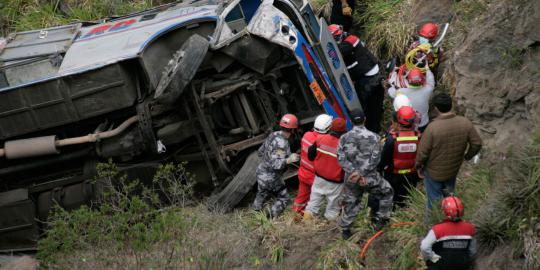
(458, 216)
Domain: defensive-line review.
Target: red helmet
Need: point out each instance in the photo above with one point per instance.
(416, 77)
(339, 125)
(452, 208)
(336, 31)
(406, 115)
(289, 121)
(429, 31)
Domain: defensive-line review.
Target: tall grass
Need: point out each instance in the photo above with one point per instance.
(471, 188)
(387, 27)
(21, 15)
(511, 215)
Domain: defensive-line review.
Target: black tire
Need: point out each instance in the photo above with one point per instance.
(238, 188)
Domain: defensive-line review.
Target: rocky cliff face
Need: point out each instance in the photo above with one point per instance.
(496, 73)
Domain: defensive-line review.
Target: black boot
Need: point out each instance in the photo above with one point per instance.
(346, 234)
(379, 223)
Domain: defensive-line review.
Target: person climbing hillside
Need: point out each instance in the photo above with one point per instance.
(419, 92)
(450, 244)
(342, 13)
(306, 171)
(275, 154)
(359, 154)
(328, 173)
(446, 142)
(363, 68)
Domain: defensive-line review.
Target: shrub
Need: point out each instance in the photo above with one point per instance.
(128, 219)
(510, 216)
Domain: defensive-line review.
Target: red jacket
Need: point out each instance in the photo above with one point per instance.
(326, 162)
(405, 147)
(306, 170)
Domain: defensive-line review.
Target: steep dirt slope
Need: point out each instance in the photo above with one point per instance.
(496, 72)
(492, 65)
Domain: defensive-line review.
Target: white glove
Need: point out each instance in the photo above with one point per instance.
(294, 157)
(435, 258)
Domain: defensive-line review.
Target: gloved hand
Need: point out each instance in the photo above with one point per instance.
(294, 157)
(435, 258)
(346, 10)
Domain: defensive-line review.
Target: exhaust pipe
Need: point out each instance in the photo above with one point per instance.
(49, 145)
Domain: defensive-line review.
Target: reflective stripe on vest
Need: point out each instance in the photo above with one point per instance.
(352, 65)
(304, 162)
(325, 149)
(409, 138)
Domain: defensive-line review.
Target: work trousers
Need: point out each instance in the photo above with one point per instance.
(302, 197)
(371, 95)
(401, 184)
(351, 199)
(320, 190)
(271, 186)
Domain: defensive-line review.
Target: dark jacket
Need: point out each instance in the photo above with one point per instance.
(337, 16)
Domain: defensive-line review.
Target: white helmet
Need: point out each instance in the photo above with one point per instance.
(400, 101)
(323, 123)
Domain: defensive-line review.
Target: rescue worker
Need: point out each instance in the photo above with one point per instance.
(427, 34)
(363, 68)
(419, 92)
(342, 11)
(275, 154)
(450, 244)
(399, 155)
(359, 154)
(306, 171)
(328, 173)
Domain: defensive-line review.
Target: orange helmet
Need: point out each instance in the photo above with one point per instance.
(452, 208)
(339, 125)
(416, 77)
(289, 121)
(336, 31)
(429, 31)
(406, 115)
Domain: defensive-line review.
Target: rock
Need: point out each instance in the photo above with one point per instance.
(488, 129)
(20, 263)
(497, 73)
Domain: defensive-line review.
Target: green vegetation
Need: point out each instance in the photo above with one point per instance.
(21, 15)
(387, 27)
(511, 215)
(466, 12)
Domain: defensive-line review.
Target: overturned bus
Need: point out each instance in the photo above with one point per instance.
(197, 81)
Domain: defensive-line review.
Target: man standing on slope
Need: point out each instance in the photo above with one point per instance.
(275, 154)
(364, 70)
(328, 173)
(306, 172)
(419, 92)
(450, 244)
(446, 142)
(359, 153)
